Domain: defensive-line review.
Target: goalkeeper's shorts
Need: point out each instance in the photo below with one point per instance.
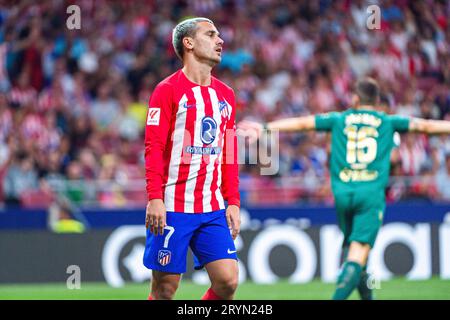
(360, 215)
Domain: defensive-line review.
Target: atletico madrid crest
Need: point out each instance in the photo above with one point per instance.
(223, 108)
(164, 257)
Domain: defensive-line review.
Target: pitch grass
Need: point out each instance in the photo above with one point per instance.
(400, 288)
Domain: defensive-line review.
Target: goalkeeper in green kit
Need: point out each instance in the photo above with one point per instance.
(361, 144)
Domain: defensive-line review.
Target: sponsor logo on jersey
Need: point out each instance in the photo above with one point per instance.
(209, 130)
(203, 150)
(348, 175)
(153, 116)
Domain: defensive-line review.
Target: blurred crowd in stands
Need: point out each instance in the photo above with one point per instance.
(73, 103)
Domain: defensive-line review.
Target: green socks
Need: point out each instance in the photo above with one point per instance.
(365, 292)
(348, 280)
(363, 289)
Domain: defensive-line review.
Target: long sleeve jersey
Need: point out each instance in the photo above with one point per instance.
(191, 145)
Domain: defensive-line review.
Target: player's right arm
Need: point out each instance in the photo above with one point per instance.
(429, 126)
(156, 138)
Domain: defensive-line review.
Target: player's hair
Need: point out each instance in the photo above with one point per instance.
(186, 28)
(368, 91)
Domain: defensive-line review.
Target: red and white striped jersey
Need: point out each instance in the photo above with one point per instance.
(191, 146)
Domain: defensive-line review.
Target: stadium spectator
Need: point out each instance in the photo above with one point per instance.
(443, 180)
(20, 177)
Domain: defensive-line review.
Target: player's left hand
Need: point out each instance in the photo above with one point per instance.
(233, 220)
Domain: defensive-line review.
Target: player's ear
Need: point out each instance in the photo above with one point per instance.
(188, 43)
(355, 100)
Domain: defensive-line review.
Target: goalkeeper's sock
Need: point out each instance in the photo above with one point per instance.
(348, 280)
(363, 289)
(211, 295)
(345, 252)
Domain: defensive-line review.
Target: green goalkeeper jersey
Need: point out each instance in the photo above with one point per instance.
(361, 144)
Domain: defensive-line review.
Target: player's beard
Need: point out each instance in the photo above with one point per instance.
(216, 59)
(210, 59)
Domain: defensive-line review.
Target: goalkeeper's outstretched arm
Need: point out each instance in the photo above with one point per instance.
(253, 130)
(293, 124)
(429, 126)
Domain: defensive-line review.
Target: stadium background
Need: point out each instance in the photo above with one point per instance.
(73, 106)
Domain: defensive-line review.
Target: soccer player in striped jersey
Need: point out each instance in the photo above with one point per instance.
(361, 145)
(191, 169)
